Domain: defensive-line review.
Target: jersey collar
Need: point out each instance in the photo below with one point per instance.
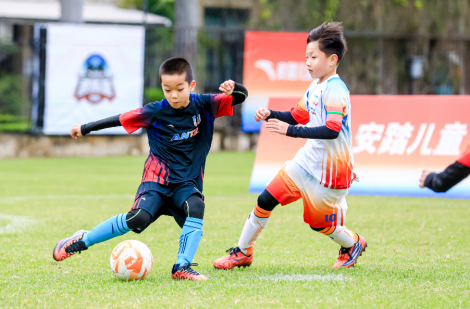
(332, 76)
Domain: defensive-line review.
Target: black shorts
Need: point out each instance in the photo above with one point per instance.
(161, 200)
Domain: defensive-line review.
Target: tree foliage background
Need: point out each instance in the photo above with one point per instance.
(160, 7)
(425, 17)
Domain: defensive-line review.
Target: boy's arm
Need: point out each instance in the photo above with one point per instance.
(84, 129)
(109, 122)
(222, 104)
(239, 94)
(336, 103)
(283, 116)
(131, 121)
(299, 114)
(452, 175)
(322, 132)
(442, 182)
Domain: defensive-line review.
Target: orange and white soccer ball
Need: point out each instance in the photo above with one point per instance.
(131, 260)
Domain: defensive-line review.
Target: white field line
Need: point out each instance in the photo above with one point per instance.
(16, 223)
(12, 199)
(64, 197)
(339, 277)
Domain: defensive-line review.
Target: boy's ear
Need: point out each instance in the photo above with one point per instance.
(192, 86)
(334, 59)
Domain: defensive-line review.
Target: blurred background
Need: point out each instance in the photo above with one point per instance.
(396, 47)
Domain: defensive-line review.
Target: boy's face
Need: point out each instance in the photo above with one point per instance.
(318, 63)
(177, 90)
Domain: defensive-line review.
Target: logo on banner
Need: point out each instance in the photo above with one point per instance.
(284, 70)
(95, 82)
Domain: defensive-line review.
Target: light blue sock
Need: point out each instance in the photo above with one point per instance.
(189, 241)
(116, 226)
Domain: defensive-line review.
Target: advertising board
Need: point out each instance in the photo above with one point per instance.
(393, 137)
(92, 72)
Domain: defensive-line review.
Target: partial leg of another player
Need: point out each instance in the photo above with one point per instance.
(190, 238)
(319, 202)
(242, 256)
(325, 211)
(286, 192)
(113, 227)
(352, 245)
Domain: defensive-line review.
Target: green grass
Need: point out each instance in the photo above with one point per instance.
(417, 257)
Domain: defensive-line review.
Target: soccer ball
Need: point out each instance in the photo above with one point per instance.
(131, 260)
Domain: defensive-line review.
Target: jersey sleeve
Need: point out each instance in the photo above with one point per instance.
(300, 112)
(336, 99)
(219, 105)
(141, 117)
(465, 157)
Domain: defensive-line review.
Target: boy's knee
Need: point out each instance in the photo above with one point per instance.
(137, 218)
(195, 207)
(266, 201)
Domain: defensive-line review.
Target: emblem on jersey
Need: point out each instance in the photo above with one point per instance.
(186, 135)
(311, 110)
(316, 99)
(196, 120)
(95, 82)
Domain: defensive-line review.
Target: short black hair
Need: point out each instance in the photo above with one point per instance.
(330, 39)
(176, 66)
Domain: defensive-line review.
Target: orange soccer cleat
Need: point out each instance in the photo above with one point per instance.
(235, 258)
(186, 272)
(67, 247)
(348, 256)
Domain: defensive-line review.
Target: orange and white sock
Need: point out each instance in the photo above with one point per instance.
(340, 235)
(255, 223)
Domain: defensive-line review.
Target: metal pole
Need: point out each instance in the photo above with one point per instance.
(186, 29)
(146, 9)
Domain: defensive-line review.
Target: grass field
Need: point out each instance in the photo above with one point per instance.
(417, 256)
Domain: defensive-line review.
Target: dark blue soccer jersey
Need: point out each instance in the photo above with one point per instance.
(179, 139)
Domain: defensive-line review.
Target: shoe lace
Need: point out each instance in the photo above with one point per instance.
(187, 268)
(76, 246)
(233, 250)
(343, 251)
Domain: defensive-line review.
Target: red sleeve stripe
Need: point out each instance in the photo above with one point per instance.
(465, 157)
(334, 118)
(224, 105)
(132, 120)
(332, 109)
(333, 125)
(301, 116)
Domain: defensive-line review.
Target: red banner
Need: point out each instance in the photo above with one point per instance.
(274, 63)
(274, 66)
(394, 138)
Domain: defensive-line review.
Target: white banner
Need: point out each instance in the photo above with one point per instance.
(92, 72)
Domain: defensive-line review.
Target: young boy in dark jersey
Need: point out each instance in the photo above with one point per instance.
(179, 129)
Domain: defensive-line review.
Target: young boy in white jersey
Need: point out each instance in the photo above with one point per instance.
(322, 171)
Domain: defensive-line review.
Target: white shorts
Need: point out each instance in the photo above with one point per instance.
(323, 207)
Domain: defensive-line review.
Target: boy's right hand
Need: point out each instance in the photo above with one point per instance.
(76, 131)
(262, 113)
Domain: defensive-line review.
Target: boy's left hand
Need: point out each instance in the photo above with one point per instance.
(277, 126)
(227, 87)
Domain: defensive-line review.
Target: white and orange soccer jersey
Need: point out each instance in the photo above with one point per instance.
(329, 161)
